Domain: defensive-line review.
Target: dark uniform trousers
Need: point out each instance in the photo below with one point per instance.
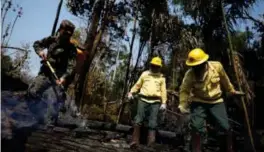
(44, 89)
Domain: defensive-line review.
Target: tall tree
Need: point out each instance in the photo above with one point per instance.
(56, 18)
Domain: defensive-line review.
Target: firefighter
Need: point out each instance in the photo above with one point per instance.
(152, 96)
(205, 80)
(61, 54)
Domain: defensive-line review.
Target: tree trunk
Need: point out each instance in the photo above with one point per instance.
(133, 77)
(235, 66)
(96, 13)
(89, 62)
(92, 53)
(152, 37)
(174, 76)
(128, 65)
(56, 18)
(116, 60)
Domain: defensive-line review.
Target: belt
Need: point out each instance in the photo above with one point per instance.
(208, 99)
(149, 97)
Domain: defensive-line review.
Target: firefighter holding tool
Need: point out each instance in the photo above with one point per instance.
(205, 80)
(57, 65)
(152, 97)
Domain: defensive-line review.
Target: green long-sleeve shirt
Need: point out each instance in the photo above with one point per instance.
(61, 56)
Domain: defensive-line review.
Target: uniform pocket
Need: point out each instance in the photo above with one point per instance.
(214, 84)
(215, 80)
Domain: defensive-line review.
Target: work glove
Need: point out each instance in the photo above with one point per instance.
(130, 96)
(183, 110)
(163, 106)
(60, 81)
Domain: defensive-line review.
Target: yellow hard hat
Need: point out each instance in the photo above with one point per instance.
(156, 61)
(196, 56)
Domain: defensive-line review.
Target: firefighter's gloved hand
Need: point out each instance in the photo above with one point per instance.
(183, 110)
(60, 81)
(163, 106)
(130, 96)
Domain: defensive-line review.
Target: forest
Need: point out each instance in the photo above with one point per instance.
(121, 37)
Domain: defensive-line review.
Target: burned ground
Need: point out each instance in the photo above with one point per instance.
(21, 132)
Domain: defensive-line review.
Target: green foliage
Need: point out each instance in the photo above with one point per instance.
(15, 71)
(165, 34)
(241, 40)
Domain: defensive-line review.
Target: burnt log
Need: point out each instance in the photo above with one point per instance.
(59, 140)
(124, 128)
(82, 125)
(165, 137)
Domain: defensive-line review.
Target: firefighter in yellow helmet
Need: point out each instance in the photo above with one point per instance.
(205, 80)
(152, 96)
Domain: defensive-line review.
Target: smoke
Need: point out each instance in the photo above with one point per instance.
(18, 112)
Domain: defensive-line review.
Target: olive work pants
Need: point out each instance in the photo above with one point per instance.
(149, 111)
(200, 112)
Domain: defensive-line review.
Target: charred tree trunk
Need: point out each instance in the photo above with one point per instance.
(97, 9)
(107, 5)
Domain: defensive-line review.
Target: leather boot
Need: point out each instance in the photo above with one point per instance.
(196, 142)
(151, 137)
(135, 137)
(229, 140)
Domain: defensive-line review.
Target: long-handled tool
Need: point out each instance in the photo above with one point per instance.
(61, 86)
(54, 74)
